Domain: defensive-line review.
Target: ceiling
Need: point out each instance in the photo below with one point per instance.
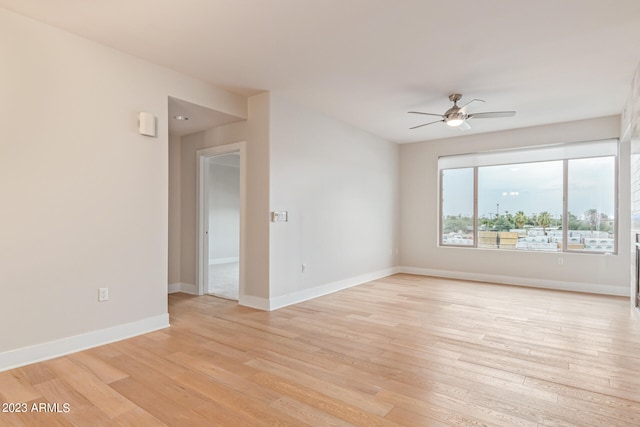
(369, 62)
(186, 118)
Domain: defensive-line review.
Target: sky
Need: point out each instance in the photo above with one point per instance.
(533, 188)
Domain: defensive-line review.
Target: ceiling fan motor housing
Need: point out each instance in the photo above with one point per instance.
(454, 116)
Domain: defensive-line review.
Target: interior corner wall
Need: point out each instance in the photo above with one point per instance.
(84, 195)
(339, 186)
(255, 132)
(174, 278)
(420, 253)
(256, 271)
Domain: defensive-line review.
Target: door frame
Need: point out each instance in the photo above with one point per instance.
(202, 250)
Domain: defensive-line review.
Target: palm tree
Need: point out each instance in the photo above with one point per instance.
(486, 222)
(520, 219)
(592, 218)
(544, 219)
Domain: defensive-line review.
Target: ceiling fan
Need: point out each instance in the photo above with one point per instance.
(457, 116)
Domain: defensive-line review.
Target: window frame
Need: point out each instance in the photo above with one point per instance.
(565, 194)
(441, 206)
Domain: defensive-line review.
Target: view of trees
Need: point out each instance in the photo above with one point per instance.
(591, 220)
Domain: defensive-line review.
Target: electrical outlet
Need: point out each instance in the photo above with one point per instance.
(560, 261)
(304, 267)
(103, 294)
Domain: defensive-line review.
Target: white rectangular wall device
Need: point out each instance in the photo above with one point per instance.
(147, 124)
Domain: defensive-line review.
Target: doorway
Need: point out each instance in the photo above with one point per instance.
(220, 203)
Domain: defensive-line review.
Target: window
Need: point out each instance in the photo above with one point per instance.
(591, 204)
(513, 196)
(457, 207)
(555, 198)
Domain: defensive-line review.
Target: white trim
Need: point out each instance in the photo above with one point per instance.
(187, 288)
(254, 302)
(216, 261)
(307, 294)
(318, 291)
(593, 288)
(49, 350)
(540, 153)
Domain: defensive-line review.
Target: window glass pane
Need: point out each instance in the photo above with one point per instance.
(520, 206)
(591, 204)
(457, 207)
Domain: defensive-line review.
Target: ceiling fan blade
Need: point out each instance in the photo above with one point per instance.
(426, 114)
(464, 126)
(430, 123)
(475, 99)
(492, 115)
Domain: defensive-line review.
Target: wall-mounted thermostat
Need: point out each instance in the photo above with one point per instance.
(280, 216)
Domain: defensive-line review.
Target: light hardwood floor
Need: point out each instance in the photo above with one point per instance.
(404, 350)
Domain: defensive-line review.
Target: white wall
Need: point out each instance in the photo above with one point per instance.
(630, 128)
(419, 218)
(340, 188)
(174, 210)
(84, 196)
(188, 208)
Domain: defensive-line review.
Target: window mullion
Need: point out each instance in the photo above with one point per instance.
(565, 205)
(475, 207)
(441, 216)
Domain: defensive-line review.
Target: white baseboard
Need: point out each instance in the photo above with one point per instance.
(49, 350)
(187, 288)
(254, 302)
(593, 288)
(307, 294)
(214, 261)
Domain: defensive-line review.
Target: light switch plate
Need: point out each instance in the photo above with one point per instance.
(279, 216)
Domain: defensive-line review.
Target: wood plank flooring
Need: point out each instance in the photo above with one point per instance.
(400, 351)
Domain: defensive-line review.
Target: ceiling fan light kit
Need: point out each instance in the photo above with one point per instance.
(454, 119)
(457, 116)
